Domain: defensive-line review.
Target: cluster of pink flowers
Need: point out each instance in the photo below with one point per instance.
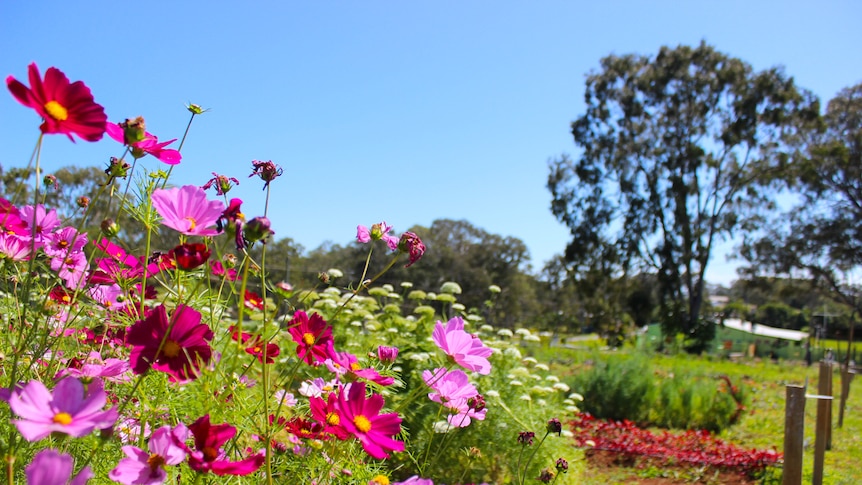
(172, 338)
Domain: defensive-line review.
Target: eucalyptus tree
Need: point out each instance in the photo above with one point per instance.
(672, 149)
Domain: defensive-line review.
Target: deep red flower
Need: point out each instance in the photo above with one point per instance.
(208, 455)
(189, 256)
(255, 346)
(313, 337)
(326, 412)
(303, 428)
(253, 301)
(185, 348)
(66, 108)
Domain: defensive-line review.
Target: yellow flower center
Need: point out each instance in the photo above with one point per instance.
(156, 461)
(308, 338)
(355, 366)
(380, 480)
(171, 349)
(63, 244)
(192, 223)
(362, 423)
(56, 111)
(333, 419)
(63, 418)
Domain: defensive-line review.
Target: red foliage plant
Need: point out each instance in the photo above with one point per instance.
(694, 447)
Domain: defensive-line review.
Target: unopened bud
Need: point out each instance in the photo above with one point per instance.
(110, 228)
(83, 201)
(257, 229)
(134, 130)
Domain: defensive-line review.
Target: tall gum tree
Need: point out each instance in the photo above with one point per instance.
(820, 238)
(673, 150)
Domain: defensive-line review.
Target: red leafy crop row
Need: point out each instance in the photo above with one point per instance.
(695, 447)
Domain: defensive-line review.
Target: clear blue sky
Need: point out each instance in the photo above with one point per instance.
(398, 111)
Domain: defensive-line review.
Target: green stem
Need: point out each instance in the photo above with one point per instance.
(533, 454)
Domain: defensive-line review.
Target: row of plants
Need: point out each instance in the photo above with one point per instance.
(187, 364)
(628, 386)
(692, 447)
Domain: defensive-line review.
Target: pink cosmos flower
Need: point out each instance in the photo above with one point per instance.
(50, 467)
(69, 410)
(109, 369)
(64, 241)
(148, 145)
(10, 219)
(209, 456)
(377, 232)
(313, 337)
(454, 391)
(359, 415)
(187, 210)
(317, 386)
(40, 223)
(463, 348)
(65, 107)
(448, 386)
(142, 468)
(14, 247)
(346, 365)
(185, 348)
(415, 480)
(110, 297)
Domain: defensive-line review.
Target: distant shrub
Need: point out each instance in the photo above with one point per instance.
(629, 387)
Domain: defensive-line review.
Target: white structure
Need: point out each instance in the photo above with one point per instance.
(763, 330)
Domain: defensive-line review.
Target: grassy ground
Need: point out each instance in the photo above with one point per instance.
(762, 425)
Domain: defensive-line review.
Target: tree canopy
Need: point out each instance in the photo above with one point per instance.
(820, 237)
(672, 149)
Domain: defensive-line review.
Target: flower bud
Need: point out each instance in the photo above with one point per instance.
(134, 130)
(83, 201)
(51, 181)
(387, 354)
(554, 426)
(257, 229)
(195, 109)
(109, 228)
(562, 465)
(117, 168)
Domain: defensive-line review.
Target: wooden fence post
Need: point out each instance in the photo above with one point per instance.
(846, 378)
(821, 433)
(794, 434)
(827, 391)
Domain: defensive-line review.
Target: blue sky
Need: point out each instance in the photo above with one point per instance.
(398, 111)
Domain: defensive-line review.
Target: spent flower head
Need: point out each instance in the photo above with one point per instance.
(267, 171)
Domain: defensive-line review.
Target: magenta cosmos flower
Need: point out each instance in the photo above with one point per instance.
(166, 447)
(50, 467)
(66, 108)
(463, 348)
(208, 455)
(360, 416)
(187, 210)
(313, 337)
(69, 410)
(148, 145)
(415, 480)
(186, 346)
